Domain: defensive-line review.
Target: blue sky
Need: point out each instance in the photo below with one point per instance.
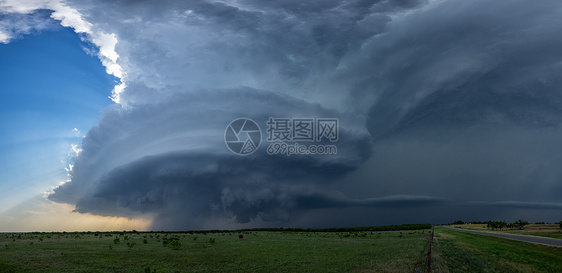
(441, 107)
(50, 86)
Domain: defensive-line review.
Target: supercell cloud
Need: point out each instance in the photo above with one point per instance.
(170, 159)
(449, 105)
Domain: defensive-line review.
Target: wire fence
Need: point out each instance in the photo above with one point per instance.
(428, 252)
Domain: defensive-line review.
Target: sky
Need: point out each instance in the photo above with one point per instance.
(178, 115)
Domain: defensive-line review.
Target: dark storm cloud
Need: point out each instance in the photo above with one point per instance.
(521, 205)
(230, 186)
(172, 157)
(455, 65)
(468, 105)
(438, 101)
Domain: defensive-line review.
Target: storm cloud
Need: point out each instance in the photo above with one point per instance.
(172, 156)
(439, 102)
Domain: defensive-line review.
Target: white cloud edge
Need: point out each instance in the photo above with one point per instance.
(70, 17)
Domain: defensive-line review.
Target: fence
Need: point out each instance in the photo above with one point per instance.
(428, 252)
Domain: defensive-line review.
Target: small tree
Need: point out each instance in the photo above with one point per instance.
(521, 224)
(497, 224)
(560, 224)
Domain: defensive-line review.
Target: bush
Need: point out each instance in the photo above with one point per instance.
(172, 242)
(175, 244)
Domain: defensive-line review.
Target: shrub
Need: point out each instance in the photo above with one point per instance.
(172, 242)
(175, 244)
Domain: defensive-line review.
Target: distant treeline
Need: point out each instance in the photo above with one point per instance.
(354, 229)
(280, 229)
(460, 222)
(519, 224)
(341, 229)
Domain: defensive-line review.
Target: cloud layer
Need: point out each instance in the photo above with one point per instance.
(439, 102)
(172, 157)
(13, 26)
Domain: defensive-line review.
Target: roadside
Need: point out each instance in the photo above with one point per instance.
(524, 238)
(537, 229)
(460, 251)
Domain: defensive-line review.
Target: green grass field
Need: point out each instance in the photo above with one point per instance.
(463, 252)
(272, 251)
(387, 251)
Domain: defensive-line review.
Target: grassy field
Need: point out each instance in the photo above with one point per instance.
(388, 251)
(463, 252)
(264, 251)
(543, 230)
